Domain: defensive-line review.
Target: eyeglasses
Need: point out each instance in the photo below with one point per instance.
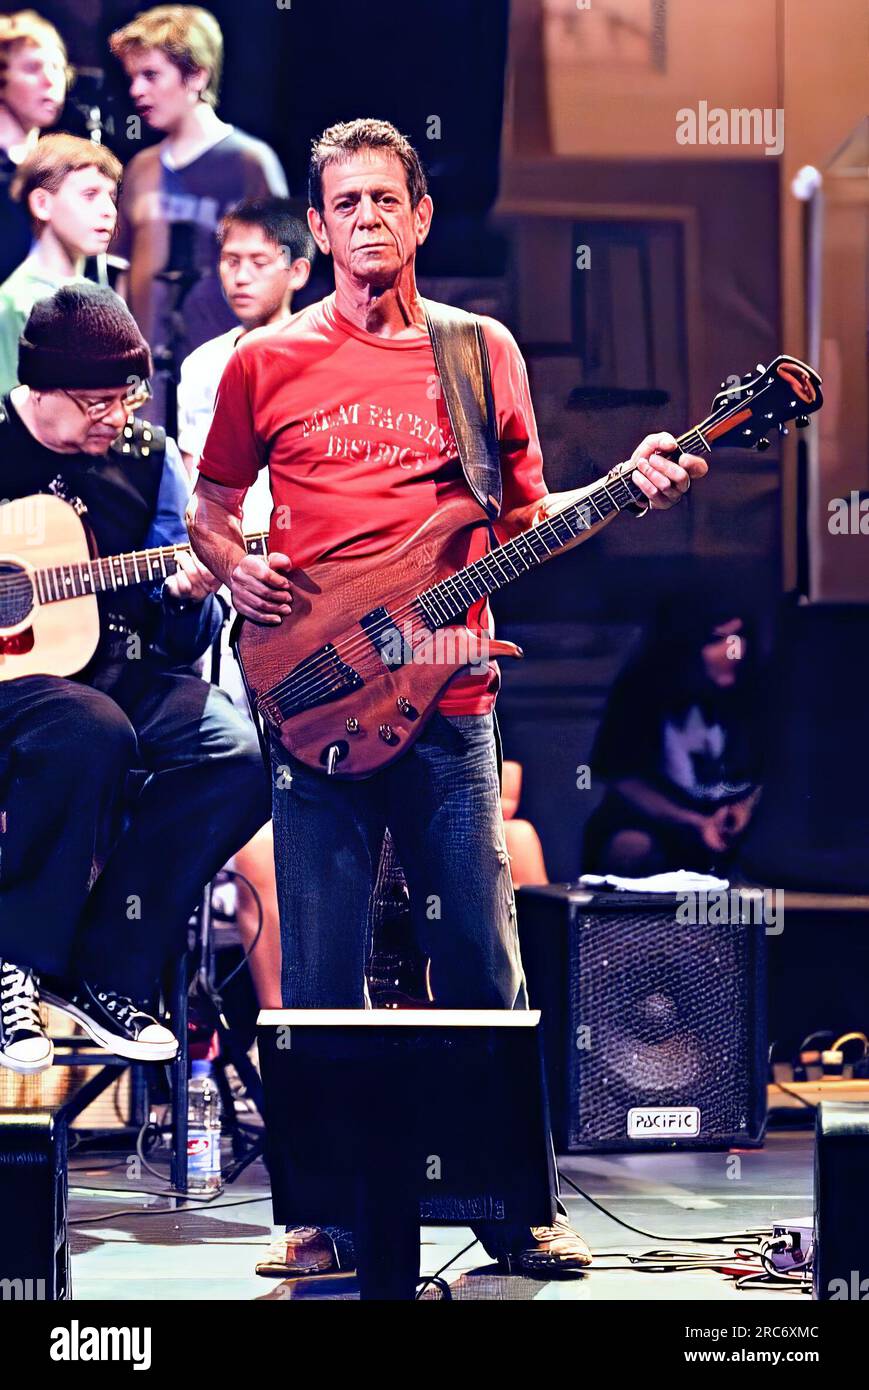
(98, 410)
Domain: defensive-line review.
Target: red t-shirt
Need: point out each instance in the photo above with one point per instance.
(359, 447)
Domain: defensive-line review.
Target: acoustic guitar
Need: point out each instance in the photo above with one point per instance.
(348, 681)
(49, 616)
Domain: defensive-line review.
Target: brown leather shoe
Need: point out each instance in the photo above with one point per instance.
(557, 1249)
(306, 1250)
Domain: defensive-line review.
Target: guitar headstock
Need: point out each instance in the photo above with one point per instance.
(745, 411)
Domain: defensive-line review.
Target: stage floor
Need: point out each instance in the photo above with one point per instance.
(126, 1246)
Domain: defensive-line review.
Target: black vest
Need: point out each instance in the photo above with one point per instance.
(115, 495)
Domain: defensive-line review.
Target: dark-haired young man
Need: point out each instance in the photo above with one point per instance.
(266, 254)
(340, 406)
(68, 745)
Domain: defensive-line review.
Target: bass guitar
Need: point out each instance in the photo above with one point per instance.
(348, 681)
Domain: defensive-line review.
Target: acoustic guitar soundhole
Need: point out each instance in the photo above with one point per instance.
(16, 594)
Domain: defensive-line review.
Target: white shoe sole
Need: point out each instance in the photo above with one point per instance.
(113, 1042)
(27, 1068)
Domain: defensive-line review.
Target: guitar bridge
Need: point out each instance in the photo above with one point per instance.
(319, 679)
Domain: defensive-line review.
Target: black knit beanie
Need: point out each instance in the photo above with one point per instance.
(82, 337)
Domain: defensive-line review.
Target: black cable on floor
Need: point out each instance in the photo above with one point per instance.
(652, 1235)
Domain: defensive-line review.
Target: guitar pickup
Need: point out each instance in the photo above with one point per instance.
(383, 632)
(318, 680)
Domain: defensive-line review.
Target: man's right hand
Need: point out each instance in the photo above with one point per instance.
(259, 590)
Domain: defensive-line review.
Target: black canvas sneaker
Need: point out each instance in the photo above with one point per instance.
(24, 1046)
(115, 1023)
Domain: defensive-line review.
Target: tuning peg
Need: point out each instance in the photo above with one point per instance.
(783, 430)
(762, 444)
(760, 368)
(801, 422)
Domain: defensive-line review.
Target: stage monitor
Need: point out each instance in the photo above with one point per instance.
(450, 1102)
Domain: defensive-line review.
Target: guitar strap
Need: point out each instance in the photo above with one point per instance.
(462, 361)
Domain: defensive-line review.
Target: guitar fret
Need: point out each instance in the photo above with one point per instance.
(493, 556)
(447, 597)
(506, 551)
(463, 583)
(459, 599)
(516, 550)
(430, 618)
(77, 578)
(442, 613)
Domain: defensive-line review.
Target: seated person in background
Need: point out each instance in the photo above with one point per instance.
(265, 256)
(523, 842)
(681, 797)
(68, 744)
(33, 77)
(69, 187)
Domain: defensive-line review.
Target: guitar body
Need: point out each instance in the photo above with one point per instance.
(324, 636)
(52, 639)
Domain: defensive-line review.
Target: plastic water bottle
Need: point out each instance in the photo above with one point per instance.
(203, 1131)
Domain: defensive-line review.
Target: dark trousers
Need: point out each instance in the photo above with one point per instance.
(68, 749)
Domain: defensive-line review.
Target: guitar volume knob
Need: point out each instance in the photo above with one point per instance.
(406, 708)
(387, 733)
(351, 724)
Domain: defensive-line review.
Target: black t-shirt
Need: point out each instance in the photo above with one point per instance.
(15, 230)
(692, 740)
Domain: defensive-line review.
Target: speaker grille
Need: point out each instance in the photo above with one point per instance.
(645, 1012)
(664, 1008)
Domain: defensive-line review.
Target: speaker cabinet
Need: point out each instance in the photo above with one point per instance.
(841, 1262)
(654, 1027)
(34, 1247)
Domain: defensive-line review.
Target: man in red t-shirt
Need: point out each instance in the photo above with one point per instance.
(344, 408)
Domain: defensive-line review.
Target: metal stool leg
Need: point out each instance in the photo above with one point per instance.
(179, 1083)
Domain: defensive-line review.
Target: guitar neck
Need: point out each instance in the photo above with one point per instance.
(450, 599)
(108, 573)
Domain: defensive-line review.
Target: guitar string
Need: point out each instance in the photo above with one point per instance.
(27, 579)
(315, 666)
(313, 669)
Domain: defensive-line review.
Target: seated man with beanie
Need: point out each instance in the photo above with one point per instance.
(67, 745)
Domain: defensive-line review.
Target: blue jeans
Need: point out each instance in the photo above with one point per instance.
(441, 802)
(442, 805)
